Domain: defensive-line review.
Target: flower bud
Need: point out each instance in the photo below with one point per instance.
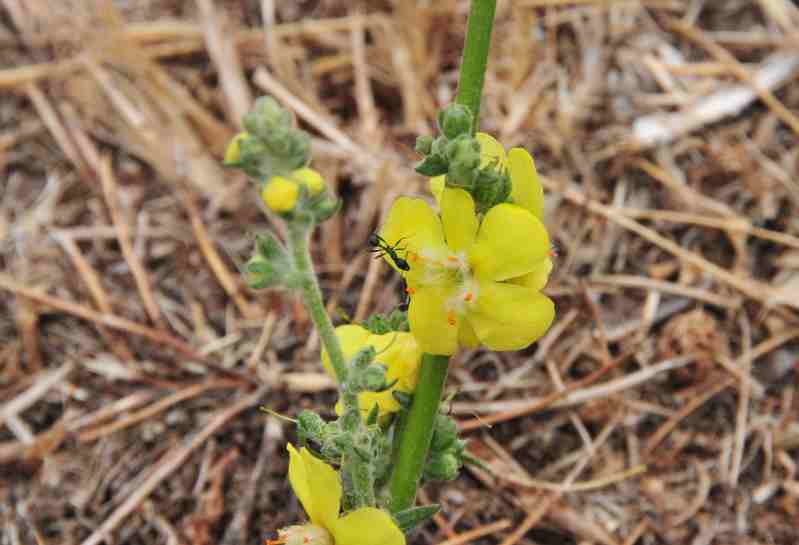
(455, 120)
(443, 467)
(311, 179)
(305, 534)
(374, 377)
(424, 144)
(259, 273)
(280, 194)
(233, 151)
(446, 432)
(310, 424)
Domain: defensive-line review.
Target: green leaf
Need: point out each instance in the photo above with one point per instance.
(412, 518)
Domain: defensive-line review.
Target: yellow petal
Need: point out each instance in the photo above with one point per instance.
(537, 278)
(367, 526)
(317, 485)
(385, 402)
(510, 317)
(400, 353)
(491, 151)
(510, 243)
(352, 338)
(233, 151)
(526, 188)
(414, 227)
(466, 335)
(437, 187)
(429, 320)
(459, 219)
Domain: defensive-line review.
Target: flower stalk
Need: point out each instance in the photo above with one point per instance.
(299, 237)
(417, 432)
(475, 56)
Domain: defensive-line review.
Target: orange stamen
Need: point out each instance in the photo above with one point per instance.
(451, 258)
(412, 256)
(468, 296)
(410, 291)
(278, 541)
(451, 318)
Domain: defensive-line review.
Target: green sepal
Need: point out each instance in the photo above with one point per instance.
(371, 419)
(445, 434)
(380, 324)
(410, 519)
(325, 208)
(270, 266)
(432, 165)
(477, 462)
(403, 398)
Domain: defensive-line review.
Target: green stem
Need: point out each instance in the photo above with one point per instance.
(414, 439)
(418, 431)
(475, 56)
(299, 236)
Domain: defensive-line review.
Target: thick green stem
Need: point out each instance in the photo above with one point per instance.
(299, 234)
(475, 56)
(418, 431)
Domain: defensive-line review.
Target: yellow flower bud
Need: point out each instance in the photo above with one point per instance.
(280, 194)
(310, 179)
(233, 151)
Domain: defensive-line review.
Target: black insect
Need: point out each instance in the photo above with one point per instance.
(383, 248)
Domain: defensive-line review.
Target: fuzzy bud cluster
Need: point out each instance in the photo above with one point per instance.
(456, 154)
(275, 153)
(447, 452)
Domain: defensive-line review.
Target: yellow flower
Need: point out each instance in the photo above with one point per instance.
(280, 194)
(398, 351)
(472, 282)
(318, 487)
(526, 191)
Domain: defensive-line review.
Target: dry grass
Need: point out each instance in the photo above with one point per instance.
(662, 407)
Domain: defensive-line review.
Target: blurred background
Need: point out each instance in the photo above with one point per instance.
(662, 406)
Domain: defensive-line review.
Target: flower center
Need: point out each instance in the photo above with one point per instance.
(450, 271)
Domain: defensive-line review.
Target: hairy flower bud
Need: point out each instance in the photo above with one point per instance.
(446, 432)
(311, 179)
(455, 120)
(443, 467)
(374, 378)
(280, 194)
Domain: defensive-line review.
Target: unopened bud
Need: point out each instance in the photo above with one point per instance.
(374, 377)
(446, 432)
(280, 194)
(455, 120)
(311, 179)
(443, 467)
(424, 144)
